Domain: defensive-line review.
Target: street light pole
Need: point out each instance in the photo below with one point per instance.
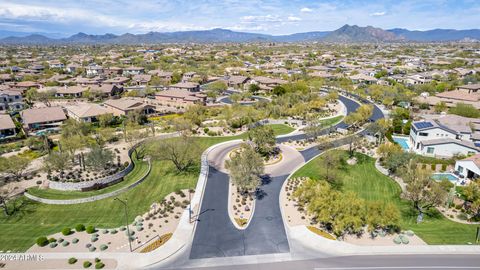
(126, 222)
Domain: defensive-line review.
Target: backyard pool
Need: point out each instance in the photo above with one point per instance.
(441, 176)
(402, 141)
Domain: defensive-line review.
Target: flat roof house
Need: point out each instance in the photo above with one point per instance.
(468, 167)
(7, 127)
(42, 118)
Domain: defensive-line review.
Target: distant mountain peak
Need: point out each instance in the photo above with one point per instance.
(345, 34)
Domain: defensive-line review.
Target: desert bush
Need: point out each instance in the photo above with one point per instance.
(90, 229)
(72, 260)
(80, 228)
(87, 264)
(42, 241)
(66, 231)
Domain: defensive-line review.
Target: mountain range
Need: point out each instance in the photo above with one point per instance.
(345, 34)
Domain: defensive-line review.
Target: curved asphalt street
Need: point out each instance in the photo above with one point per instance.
(216, 236)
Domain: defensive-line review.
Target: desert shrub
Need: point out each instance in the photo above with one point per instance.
(103, 247)
(99, 265)
(66, 231)
(462, 216)
(105, 231)
(94, 239)
(53, 245)
(87, 264)
(42, 241)
(65, 243)
(113, 231)
(97, 260)
(75, 240)
(90, 229)
(72, 260)
(92, 249)
(51, 239)
(80, 228)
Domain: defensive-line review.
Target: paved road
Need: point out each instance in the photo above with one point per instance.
(216, 236)
(383, 262)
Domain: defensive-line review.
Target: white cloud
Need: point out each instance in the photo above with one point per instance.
(306, 10)
(378, 14)
(293, 19)
(265, 18)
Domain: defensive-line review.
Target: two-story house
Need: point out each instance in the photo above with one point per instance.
(11, 100)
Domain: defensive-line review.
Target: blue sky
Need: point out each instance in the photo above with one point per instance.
(262, 16)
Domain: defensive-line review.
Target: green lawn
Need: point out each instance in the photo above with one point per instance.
(280, 129)
(370, 184)
(331, 121)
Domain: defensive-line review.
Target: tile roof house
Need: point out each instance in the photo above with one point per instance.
(141, 79)
(189, 86)
(40, 118)
(11, 100)
(180, 97)
(124, 106)
(70, 91)
(86, 112)
(7, 127)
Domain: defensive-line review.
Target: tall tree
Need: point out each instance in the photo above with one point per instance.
(182, 151)
(14, 165)
(246, 168)
(263, 139)
(422, 190)
(99, 158)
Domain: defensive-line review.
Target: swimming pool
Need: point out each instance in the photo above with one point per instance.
(403, 142)
(441, 176)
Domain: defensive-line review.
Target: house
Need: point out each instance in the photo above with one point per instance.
(188, 76)
(7, 127)
(70, 91)
(468, 167)
(362, 78)
(10, 100)
(164, 75)
(133, 71)
(266, 83)
(72, 68)
(180, 97)
(56, 64)
(94, 70)
(107, 90)
(189, 86)
(117, 80)
(237, 81)
(42, 118)
(124, 106)
(431, 138)
(467, 94)
(86, 112)
(141, 79)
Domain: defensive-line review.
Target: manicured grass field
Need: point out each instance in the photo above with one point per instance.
(365, 180)
(36, 219)
(331, 121)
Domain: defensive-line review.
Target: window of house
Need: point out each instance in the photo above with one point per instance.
(430, 150)
(460, 169)
(423, 134)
